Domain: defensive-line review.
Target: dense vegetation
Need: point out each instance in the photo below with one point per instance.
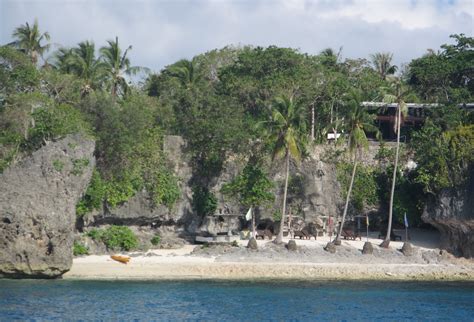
(250, 101)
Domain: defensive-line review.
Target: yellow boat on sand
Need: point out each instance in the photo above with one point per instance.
(121, 258)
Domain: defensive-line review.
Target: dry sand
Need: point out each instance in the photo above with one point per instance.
(309, 262)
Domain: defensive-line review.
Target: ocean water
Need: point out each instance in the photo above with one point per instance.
(245, 301)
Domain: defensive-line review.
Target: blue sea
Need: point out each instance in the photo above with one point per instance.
(228, 301)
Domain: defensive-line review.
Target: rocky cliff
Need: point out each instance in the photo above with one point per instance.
(452, 213)
(37, 208)
(316, 193)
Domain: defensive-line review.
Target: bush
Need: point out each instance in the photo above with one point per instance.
(119, 237)
(79, 249)
(156, 240)
(204, 202)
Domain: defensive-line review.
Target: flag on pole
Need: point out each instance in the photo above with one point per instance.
(405, 220)
(367, 220)
(248, 216)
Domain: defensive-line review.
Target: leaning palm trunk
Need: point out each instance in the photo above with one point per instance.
(254, 235)
(337, 241)
(312, 123)
(279, 238)
(386, 242)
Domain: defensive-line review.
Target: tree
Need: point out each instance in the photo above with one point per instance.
(398, 96)
(83, 63)
(251, 188)
(359, 121)
(117, 64)
(287, 136)
(185, 71)
(383, 64)
(29, 38)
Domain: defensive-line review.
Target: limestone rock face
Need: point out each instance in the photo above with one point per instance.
(452, 213)
(38, 199)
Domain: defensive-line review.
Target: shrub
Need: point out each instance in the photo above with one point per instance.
(119, 237)
(95, 234)
(78, 166)
(156, 240)
(58, 165)
(79, 249)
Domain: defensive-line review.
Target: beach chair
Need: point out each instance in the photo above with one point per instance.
(349, 234)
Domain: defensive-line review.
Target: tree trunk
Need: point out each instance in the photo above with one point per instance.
(386, 242)
(279, 238)
(312, 123)
(254, 235)
(339, 232)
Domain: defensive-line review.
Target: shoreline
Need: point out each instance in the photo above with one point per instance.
(309, 263)
(287, 272)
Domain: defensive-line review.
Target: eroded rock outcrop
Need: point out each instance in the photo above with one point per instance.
(452, 213)
(38, 199)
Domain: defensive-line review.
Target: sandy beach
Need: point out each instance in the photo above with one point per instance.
(309, 262)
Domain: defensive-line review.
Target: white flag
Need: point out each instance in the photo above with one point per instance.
(248, 216)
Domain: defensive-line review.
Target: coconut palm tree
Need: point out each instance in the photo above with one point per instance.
(84, 64)
(287, 135)
(29, 38)
(117, 65)
(62, 60)
(383, 64)
(397, 97)
(358, 123)
(185, 71)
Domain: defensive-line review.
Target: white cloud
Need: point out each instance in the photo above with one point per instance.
(162, 32)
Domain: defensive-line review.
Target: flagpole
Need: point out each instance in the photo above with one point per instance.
(406, 226)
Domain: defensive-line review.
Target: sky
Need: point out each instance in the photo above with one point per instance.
(162, 32)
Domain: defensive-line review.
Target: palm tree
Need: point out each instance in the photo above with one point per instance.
(84, 64)
(359, 121)
(29, 38)
(287, 134)
(62, 60)
(185, 71)
(116, 65)
(383, 64)
(398, 98)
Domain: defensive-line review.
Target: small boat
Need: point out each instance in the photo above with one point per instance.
(121, 258)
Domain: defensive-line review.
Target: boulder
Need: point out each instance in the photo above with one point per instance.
(291, 246)
(368, 248)
(38, 198)
(252, 244)
(408, 249)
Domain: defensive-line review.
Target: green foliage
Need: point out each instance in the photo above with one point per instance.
(365, 190)
(164, 187)
(276, 215)
(444, 158)
(58, 165)
(78, 166)
(93, 197)
(446, 76)
(251, 188)
(204, 202)
(53, 123)
(156, 240)
(95, 234)
(79, 249)
(115, 237)
(17, 73)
